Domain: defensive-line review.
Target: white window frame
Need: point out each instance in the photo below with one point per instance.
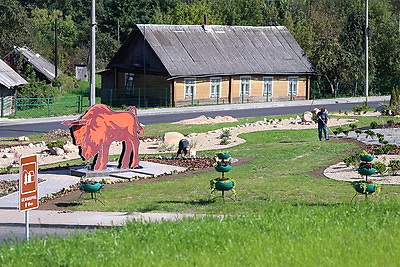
(268, 85)
(243, 81)
(215, 82)
(129, 83)
(293, 81)
(189, 84)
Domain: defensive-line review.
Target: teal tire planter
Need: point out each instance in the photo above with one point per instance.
(224, 155)
(221, 168)
(224, 185)
(91, 188)
(365, 171)
(365, 188)
(367, 158)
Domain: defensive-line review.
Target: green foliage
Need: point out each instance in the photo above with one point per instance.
(380, 167)
(353, 159)
(57, 143)
(363, 108)
(226, 133)
(394, 97)
(353, 126)
(36, 88)
(373, 124)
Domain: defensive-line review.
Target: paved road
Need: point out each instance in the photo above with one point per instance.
(151, 116)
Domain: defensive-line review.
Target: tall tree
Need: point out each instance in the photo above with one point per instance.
(14, 30)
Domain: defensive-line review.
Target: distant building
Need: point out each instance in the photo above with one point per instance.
(24, 56)
(9, 82)
(206, 64)
(81, 72)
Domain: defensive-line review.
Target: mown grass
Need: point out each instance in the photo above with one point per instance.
(284, 216)
(361, 234)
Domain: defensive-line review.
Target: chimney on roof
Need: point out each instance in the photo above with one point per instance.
(205, 19)
(205, 26)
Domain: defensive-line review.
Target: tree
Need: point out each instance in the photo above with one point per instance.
(14, 30)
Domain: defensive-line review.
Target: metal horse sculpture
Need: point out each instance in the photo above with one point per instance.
(98, 127)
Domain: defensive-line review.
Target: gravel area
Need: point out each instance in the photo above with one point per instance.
(341, 172)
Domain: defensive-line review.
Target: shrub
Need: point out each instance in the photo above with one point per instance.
(352, 159)
(394, 97)
(387, 148)
(353, 126)
(226, 133)
(361, 108)
(378, 150)
(224, 141)
(373, 124)
(380, 167)
(57, 143)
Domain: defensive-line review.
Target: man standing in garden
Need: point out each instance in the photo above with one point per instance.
(322, 117)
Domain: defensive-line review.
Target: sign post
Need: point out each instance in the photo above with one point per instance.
(28, 187)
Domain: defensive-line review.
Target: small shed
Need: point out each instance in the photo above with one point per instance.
(44, 69)
(9, 81)
(81, 72)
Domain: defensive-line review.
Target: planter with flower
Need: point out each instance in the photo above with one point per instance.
(366, 168)
(222, 164)
(92, 187)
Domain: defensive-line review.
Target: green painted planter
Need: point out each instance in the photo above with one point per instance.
(221, 168)
(367, 158)
(224, 185)
(369, 188)
(365, 171)
(91, 188)
(224, 155)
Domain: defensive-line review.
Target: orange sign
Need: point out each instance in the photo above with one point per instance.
(28, 183)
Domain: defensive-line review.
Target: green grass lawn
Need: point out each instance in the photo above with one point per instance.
(284, 215)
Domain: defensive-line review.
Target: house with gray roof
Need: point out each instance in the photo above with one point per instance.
(9, 81)
(206, 64)
(43, 68)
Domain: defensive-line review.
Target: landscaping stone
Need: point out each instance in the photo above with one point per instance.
(172, 138)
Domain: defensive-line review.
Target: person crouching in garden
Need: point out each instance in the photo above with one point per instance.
(184, 148)
(322, 117)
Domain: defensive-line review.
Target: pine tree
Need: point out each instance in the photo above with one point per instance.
(394, 97)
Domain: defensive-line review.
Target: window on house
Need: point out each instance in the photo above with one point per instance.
(245, 86)
(293, 83)
(267, 90)
(129, 83)
(215, 89)
(190, 88)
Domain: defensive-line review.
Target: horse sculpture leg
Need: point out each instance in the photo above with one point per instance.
(102, 159)
(135, 149)
(125, 155)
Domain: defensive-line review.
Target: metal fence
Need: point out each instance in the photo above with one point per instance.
(353, 87)
(139, 97)
(49, 107)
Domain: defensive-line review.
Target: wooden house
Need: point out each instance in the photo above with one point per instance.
(9, 81)
(206, 64)
(20, 57)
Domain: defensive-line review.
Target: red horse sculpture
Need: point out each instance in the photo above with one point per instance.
(98, 127)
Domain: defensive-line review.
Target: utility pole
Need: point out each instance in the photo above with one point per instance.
(56, 48)
(366, 50)
(118, 30)
(93, 54)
